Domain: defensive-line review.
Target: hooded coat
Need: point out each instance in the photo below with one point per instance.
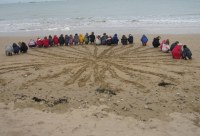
(39, 42)
(86, 38)
(124, 40)
(81, 39)
(16, 48)
(61, 40)
(176, 52)
(144, 39)
(55, 40)
(32, 43)
(156, 42)
(9, 50)
(186, 53)
(45, 42)
(115, 39)
(130, 39)
(24, 47)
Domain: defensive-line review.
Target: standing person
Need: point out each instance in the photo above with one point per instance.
(156, 42)
(186, 53)
(39, 42)
(76, 39)
(165, 46)
(130, 39)
(81, 39)
(61, 40)
(92, 38)
(173, 45)
(115, 40)
(66, 40)
(86, 38)
(45, 42)
(55, 40)
(104, 38)
(32, 43)
(50, 40)
(124, 40)
(144, 40)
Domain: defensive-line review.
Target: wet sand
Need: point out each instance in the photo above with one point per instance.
(100, 90)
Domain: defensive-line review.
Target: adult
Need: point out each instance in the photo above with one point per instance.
(55, 40)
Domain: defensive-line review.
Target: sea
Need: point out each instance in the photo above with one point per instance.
(44, 17)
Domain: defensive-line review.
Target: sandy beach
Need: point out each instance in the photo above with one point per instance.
(93, 90)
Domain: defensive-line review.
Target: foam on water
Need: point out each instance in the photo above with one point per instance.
(70, 15)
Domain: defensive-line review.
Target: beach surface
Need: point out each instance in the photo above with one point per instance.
(93, 90)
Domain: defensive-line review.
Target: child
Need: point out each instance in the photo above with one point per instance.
(86, 38)
(50, 40)
(186, 53)
(66, 40)
(55, 40)
(103, 39)
(115, 40)
(45, 42)
(92, 38)
(130, 39)
(165, 46)
(32, 43)
(9, 50)
(76, 39)
(23, 47)
(109, 40)
(39, 42)
(98, 40)
(81, 39)
(124, 40)
(61, 40)
(144, 40)
(156, 42)
(16, 48)
(71, 40)
(177, 52)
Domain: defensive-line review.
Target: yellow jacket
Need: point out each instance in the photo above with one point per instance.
(81, 38)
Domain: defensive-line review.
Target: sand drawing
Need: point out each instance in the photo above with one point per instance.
(75, 72)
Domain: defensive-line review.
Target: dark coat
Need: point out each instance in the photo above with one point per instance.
(16, 48)
(156, 42)
(24, 47)
(187, 53)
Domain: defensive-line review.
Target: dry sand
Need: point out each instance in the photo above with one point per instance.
(100, 90)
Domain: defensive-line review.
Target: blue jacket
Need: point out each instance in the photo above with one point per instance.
(115, 39)
(144, 39)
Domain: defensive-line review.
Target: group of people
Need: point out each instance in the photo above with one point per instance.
(15, 48)
(177, 50)
(80, 39)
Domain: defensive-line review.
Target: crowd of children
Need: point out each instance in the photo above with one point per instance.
(177, 50)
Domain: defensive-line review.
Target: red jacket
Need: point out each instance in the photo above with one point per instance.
(55, 40)
(46, 42)
(176, 52)
(39, 42)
